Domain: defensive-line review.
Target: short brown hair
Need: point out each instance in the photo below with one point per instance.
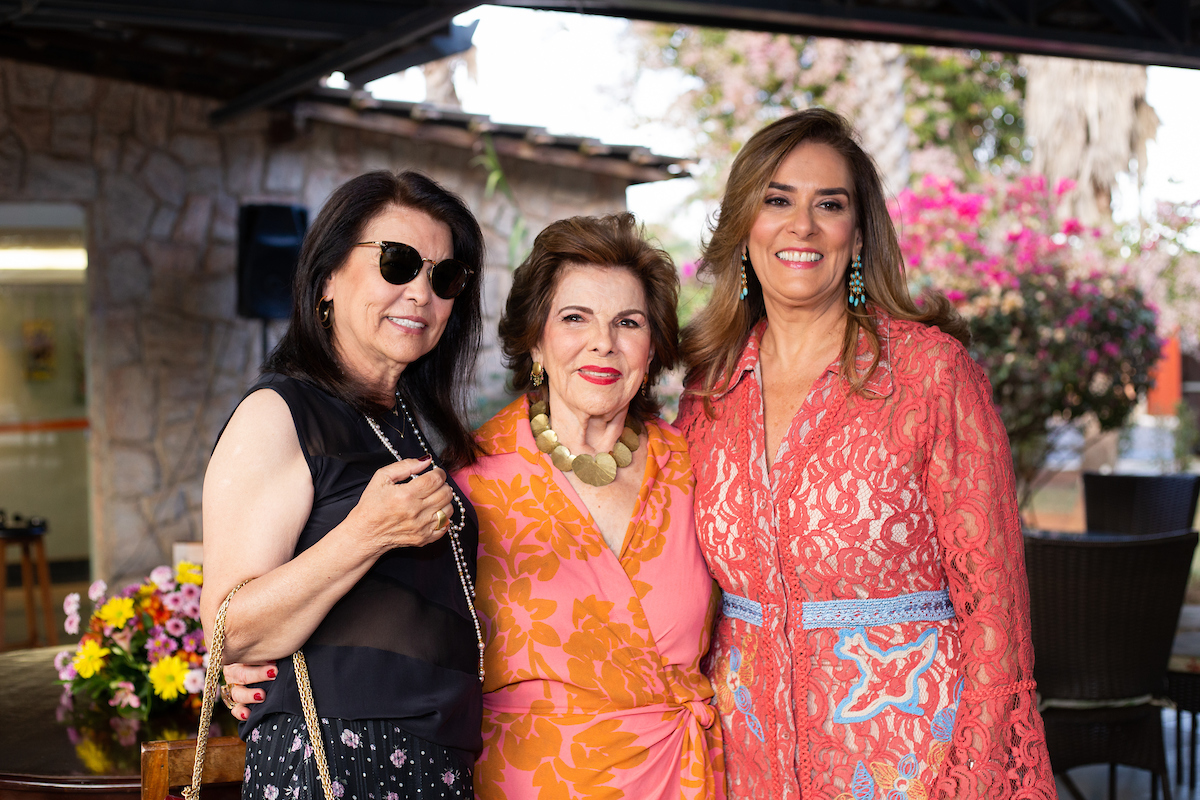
(713, 341)
(613, 241)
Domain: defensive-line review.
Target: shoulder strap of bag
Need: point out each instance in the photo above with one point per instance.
(212, 687)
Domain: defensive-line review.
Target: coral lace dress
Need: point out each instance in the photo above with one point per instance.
(874, 636)
(593, 684)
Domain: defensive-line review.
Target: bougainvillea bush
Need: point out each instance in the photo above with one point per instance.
(1059, 325)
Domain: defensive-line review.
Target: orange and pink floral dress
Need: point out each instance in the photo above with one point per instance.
(593, 686)
(874, 637)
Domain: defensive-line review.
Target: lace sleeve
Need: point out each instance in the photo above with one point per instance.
(998, 748)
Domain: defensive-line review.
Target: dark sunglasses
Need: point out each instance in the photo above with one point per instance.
(399, 263)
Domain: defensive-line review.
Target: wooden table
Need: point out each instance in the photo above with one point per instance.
(42, 758)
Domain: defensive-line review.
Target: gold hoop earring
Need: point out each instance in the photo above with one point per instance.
(536, 374)
(325, 312)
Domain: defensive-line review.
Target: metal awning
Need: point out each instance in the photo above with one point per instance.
(1163, 32)
(250, 53)
(256, 53)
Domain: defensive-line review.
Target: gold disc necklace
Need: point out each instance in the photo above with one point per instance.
(597, 470)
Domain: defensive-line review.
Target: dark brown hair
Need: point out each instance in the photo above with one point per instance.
(436, 384)
(611, 241)
(713, 342)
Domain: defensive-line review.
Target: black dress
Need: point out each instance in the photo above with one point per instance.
(394, 665)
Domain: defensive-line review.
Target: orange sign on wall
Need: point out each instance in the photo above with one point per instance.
(1168, 380)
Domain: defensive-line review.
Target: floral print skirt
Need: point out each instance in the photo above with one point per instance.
(372, 759)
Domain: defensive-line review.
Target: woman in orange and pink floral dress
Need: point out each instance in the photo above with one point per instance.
(855, 501)
(596, 602)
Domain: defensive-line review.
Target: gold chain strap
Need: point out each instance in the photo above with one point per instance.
(216, 659)
(212, 687)
(314, 724)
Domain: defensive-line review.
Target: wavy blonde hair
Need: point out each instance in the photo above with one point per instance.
(713, 342)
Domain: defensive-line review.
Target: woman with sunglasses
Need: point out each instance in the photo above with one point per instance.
(324, 494)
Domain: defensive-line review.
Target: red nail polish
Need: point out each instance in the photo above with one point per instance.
(270, 673)
(258, 696)
(245, 715)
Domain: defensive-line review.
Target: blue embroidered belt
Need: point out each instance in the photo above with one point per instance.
(932, 606)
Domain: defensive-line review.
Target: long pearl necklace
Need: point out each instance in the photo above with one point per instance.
(460, 559)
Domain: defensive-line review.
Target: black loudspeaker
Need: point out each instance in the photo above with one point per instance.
(269, 238)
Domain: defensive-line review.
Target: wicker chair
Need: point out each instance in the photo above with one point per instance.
(1103, 613)
(1139, 504)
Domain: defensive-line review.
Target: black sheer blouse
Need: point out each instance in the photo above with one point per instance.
(401, 644)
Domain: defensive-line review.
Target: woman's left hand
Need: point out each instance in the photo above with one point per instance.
(237, 678)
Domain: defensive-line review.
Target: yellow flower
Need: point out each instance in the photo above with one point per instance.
(93, 757)
(189, 573)
(116, 612)
(167, 677)
(90, 658)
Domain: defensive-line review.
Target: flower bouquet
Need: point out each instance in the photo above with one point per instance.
(143, 650)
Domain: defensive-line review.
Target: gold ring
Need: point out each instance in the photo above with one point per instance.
(440, 520)
(227, 696)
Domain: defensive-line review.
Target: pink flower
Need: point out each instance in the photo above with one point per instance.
(1072, 227)
(160, 647)
(126, 730)
(163, 577)
(1065, 185)
(247, 776)
(255, 735)
(391, 796)
(193, 682)
(193, 641)
(176, 627)
(297, 743)
(270, 792)
(71, 604)
(398, 757)
(351, 739)
(191, 609)
(96, 591)
(173, 601)
(71, 624)
(124, 638)
(449, 777)
(338, 789)
(68, 673)
(125, 696)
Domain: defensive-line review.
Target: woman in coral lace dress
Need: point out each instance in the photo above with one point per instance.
(854, 500)
(595, 598)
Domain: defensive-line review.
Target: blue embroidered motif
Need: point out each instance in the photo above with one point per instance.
(742, 608)
(943, 721)
(741, 695)
(863, 785)
(931, 606)
(880, 668)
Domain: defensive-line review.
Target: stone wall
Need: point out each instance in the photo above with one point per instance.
(168, 358)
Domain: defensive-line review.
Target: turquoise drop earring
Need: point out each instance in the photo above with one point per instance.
(858, 292)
